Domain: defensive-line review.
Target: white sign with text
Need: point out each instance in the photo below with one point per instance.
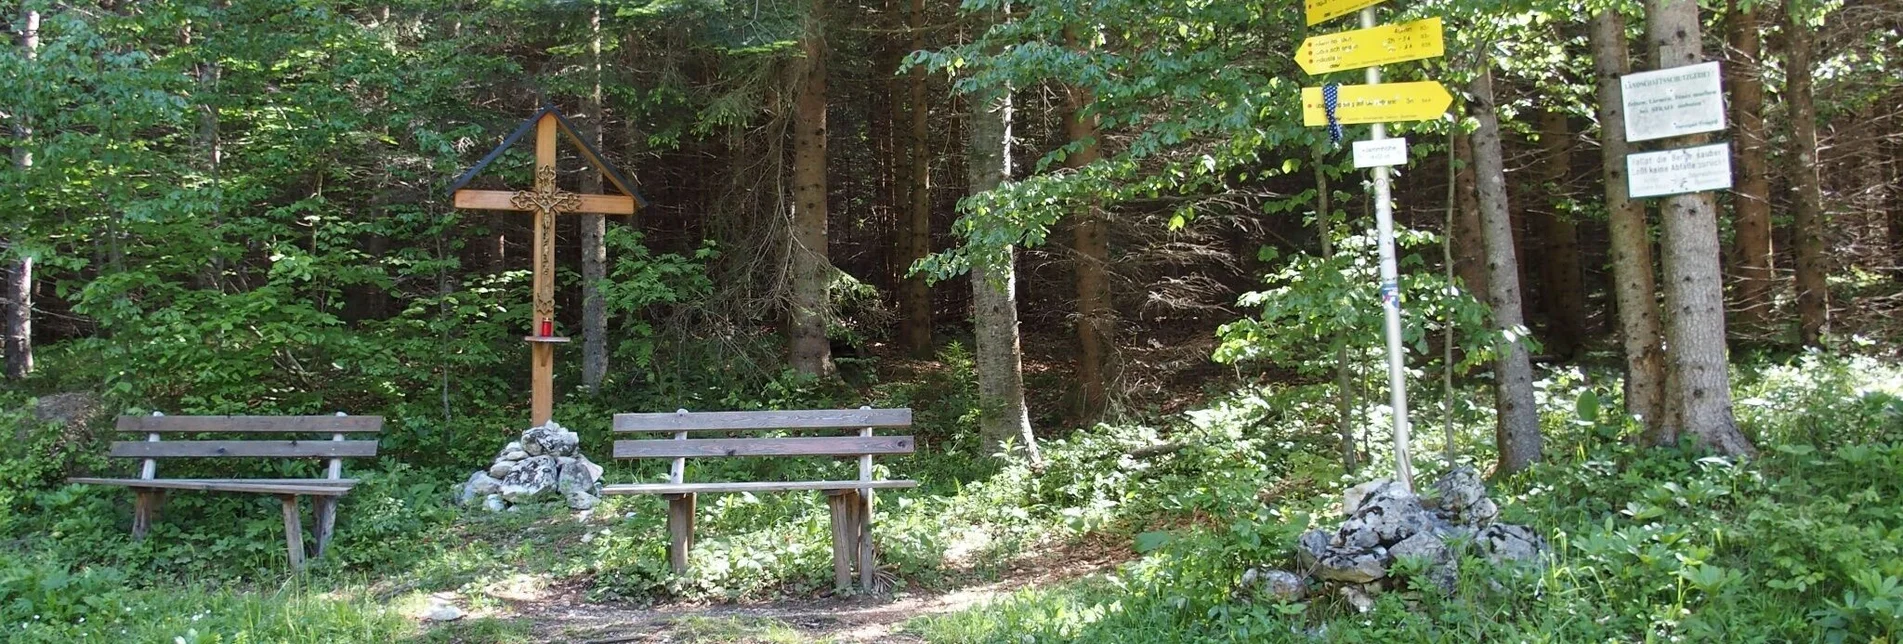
(1673, 102)
(1671, 172)
(1380, 152)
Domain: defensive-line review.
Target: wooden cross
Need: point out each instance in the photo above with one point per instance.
(546, 201)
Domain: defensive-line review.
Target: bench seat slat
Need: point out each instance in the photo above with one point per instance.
(720, 488)
(223, 485)
(208, 449)
(808, 446)
(316, 424)
(763, 420)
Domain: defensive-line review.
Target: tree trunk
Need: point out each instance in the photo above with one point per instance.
(1808, 221)
(1694, 287)
(594, 229)
(915, 301)
(1634, 285)
(1518, 431)
(1896, 210)
(1752, 256)
(1470, 246)
(19, 272)
(1565, 297)
(809, 352)
(1002, 414)
(1091, 244)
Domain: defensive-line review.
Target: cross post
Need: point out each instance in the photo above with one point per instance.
(544, 202)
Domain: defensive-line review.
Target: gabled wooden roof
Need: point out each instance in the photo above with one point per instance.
(588, 152)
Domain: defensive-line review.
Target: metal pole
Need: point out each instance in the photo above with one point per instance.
(1390, 293)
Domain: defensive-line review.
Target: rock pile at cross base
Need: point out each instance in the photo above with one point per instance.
(1386, 523)
(545, 465)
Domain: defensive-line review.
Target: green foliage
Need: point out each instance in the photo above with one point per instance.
(1316, 307)
(1798, 545)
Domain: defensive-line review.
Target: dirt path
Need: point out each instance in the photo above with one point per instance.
(557, 615)
(821, 620)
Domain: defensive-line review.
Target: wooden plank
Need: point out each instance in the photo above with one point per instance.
(751, 420)
(325, 424)
(217, 486)
(842, 537)
(764, 486)
(502, 200)
(680, 530)
(808, 446)
(293, 532)
(309, 482)
(545, 140)
(211, 449)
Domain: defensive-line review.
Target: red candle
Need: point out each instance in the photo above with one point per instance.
(548, 328)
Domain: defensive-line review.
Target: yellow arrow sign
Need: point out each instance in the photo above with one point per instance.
(1323, 10)
(1369, 47)
(1388, 102)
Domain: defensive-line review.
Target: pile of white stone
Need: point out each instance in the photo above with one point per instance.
(545, 465)
(1385, 524)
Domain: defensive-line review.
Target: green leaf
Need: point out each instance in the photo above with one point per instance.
(1150, 541)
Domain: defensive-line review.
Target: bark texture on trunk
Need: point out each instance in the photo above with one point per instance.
(1002, 414)
(1470, 246)
(1752, 256)
(1518, 431)
(1091, 246)
(1634, 285)
(1694, 286)
(915, 300)
(808, 349)
(19, 272)
(1895, 205)
(1808, 220)
(1565, 297)
(594, 230)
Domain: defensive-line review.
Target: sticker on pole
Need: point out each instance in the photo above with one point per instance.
(1324, 10)
(1380, 152)
(1673, 172)
(1673, 102)
(1387, 102)
(1381, 45)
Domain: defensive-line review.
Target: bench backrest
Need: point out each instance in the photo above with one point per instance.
(680, 423)
(332, 447)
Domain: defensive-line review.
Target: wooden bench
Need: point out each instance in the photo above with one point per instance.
(849, 500)
(324, 492)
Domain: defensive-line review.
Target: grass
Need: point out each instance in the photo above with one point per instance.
(1798, 545)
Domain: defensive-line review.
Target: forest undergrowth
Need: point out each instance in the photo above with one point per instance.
(1798, 544)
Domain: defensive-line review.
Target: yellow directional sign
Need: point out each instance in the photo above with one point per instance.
(1369, 47)
(1388, 102)
(1322, 10)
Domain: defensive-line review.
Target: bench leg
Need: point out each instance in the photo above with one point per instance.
(845, 531)
(680, 530)
(843, 536)
(293, 531)
(144, 510)
(862, 521)
(325, 509)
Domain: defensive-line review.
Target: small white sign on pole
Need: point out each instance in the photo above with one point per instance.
(1673, 102)
(1381, 152)
(1671, 172)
